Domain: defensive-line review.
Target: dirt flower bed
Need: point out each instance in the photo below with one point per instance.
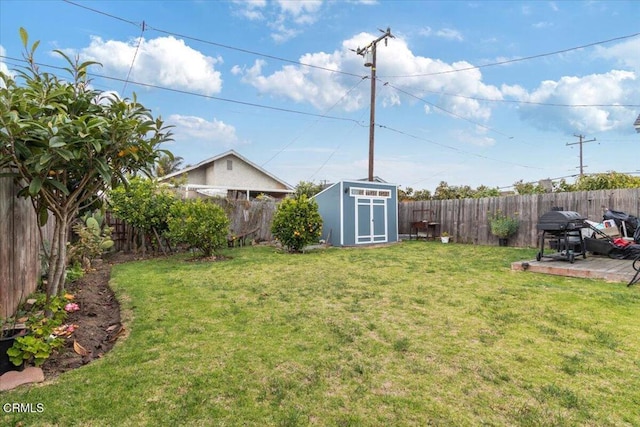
(98, 320)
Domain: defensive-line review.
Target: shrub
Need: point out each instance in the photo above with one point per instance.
(199, 224)
(297, 223)
(74, 272)
(503, 226)
(143, 204)
(40, 341)
(94, 238)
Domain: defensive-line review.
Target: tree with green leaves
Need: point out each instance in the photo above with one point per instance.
(145, 205)
(65, 143)
(307, 188)
(522, 188)
(167, 164)
(445, 191)
(200, 224)
(297, 223)
(606, 181)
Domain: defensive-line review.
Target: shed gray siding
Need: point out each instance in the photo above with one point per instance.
(350, 220)
(329, 208)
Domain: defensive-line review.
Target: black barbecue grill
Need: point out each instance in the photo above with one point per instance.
(563, 231)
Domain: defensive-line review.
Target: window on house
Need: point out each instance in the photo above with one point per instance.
(229, 165)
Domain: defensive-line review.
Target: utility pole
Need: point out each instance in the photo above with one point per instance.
(581, 141)
(370, 49)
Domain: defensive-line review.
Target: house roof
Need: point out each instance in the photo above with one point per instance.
(220, 156)
(376, 178)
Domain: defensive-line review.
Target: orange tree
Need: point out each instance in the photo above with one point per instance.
(297, 223)
(64, 143)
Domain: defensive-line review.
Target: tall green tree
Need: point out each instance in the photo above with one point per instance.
(65, 143)
(167, 164)
(522, 188)
(606, 181)
(307, 188)
(145, 205)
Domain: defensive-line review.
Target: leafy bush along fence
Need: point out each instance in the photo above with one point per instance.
(247, 221)
(467, 220)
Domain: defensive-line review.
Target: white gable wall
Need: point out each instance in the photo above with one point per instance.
(197, 176)
(241, 175)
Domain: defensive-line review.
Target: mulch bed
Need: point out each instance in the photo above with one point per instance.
(98, 320)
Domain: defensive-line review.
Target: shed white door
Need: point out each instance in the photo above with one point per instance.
(371, 220)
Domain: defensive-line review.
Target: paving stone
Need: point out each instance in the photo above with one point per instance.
(13, 379)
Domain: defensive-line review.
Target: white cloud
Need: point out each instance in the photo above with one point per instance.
(286, 18)
(613, 87)
(425, 31)
(626, 53)
(188, 128)
(303, 84)
(3, 65)
(164, 61)
(457, 92)
(251, 9)
(323, 90)
(283, 33)
(449, 34)
(542, 25)
(478, 138)
(444, 33)
(302, 12)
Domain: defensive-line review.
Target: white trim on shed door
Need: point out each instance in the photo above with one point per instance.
(371, 224)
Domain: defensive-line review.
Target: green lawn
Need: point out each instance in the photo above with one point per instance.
(418, 333)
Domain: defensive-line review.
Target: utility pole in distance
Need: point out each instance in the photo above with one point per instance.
(580, 142)
(370, 49)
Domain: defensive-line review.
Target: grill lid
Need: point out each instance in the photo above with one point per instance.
(560, 220)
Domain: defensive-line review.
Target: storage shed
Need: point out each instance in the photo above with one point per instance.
(359, 213)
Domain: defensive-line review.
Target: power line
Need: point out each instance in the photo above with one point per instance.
(324, 116)
(544, 104)
(124, 88)
(447, 111)
(286, 110)
(251, 52)
(455, 148)
(526, 58)
(200, 95)
(237, 49)
(102, 13)
(312, 124)
(334, 151)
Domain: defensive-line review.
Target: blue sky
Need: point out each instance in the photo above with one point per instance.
(278, 81)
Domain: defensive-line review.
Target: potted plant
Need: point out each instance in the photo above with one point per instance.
(503, 226)
(31, 336)
(11, 329)
(444, 237)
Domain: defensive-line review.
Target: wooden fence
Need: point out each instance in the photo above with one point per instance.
(250, 219)
(247, 221)
(467, 220)
(19, 248)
